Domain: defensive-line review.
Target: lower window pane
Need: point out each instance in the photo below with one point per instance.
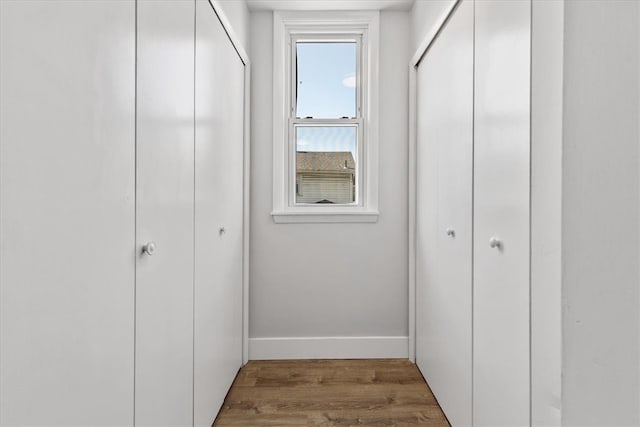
(326, 164)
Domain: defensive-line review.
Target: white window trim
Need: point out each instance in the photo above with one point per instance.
(284, 25)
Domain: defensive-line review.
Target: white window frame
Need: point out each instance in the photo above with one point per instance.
(288, 27)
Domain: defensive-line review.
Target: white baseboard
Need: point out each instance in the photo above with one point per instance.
(328, 348)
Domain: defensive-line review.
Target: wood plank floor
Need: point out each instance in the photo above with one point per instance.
(378, 392)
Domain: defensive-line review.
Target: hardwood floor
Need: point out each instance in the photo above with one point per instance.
(377, 392)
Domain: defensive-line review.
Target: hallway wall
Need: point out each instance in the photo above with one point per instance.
(238, 14)
(332, 280)
(425, 16)
(600, 214)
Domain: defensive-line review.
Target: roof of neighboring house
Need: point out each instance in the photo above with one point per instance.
(325, 161)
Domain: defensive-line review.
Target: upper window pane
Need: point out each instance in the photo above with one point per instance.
(326, 79)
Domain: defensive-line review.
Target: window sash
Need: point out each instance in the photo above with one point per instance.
(294, 121)
(359, 158)
(319, 38)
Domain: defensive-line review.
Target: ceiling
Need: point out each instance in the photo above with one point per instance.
(330, 4)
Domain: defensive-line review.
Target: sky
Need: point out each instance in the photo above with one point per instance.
(325, 138)
(326, 89)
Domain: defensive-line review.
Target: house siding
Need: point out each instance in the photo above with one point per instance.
(314, 187)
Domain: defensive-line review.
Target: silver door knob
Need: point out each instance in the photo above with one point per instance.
(451, 232)
(494, 242)
(149, 248)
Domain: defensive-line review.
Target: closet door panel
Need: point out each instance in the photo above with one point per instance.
(501, 209)
(445, 108)
(165, 186)
(67, 159)
(427, 256)
(219, 214)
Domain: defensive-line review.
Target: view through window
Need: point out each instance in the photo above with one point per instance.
(326, 121)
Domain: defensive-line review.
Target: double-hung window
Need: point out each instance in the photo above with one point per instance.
(325, 117)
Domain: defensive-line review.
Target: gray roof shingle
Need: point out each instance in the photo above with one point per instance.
(325, 161)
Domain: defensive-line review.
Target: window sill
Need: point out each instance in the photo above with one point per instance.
(324, 216)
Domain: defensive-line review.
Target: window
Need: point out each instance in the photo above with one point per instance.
(325, 117)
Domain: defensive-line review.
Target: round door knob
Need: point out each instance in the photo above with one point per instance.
(222, 230)
(494, 242)
(451, 232)
(149, 248)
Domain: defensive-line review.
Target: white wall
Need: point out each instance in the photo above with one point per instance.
(328, 280)
(425, 16)
(600, 214)
(238, 14)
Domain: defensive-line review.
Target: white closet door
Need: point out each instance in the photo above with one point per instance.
(67, 153)
(501, 209)
(165, 177)
(445, 166)
(219, 214)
